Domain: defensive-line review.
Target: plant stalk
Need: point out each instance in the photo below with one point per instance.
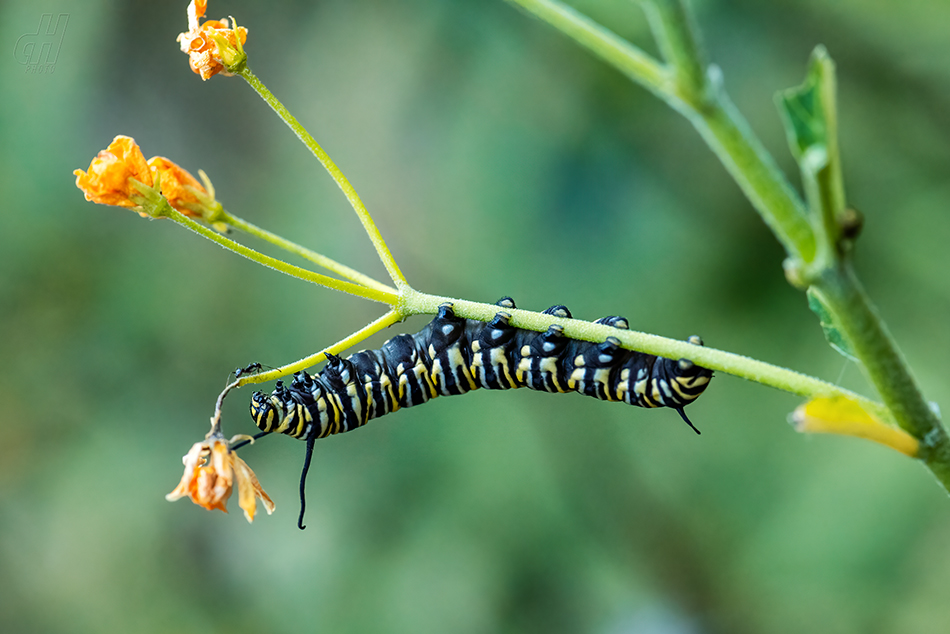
(369, 225)
(885, 367)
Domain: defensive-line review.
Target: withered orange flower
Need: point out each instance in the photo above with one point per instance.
(176, 182)
(211, 469)
(107, 181)
(212, 45)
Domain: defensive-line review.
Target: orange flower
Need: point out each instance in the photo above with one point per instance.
(107, 181)
(176, 182)
(212, 46)
(210, 471)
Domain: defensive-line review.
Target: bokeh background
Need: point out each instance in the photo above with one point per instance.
(499, 159)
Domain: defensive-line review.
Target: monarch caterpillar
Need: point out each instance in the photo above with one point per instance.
(453, 355)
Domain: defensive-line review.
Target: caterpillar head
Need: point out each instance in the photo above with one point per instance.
(269, 410)
(264, 411)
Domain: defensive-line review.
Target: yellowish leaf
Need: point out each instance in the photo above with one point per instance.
(845, 416)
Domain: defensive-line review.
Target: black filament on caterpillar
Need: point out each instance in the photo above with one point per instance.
(453, 355)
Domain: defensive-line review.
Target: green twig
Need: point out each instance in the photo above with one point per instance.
(370, 329)
(367, 221)
(716, 119)
(320, 260)
(632, 61)
(680, 47)
(884, 365)
(359, 290)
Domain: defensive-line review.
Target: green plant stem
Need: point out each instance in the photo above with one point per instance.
(726, 132)
(365, 219)
(728, 135)
(885, 367)
(320, 260)
(875, 348)
(821, 162)
(708, 109)
(370, 329)
(376, 295)
(680, 46)
(632, 61)
(385, 321)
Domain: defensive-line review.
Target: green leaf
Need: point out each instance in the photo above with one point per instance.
(809, 113)
(808, 110)
(829, 325)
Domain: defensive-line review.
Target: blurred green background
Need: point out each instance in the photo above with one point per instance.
(499, 159)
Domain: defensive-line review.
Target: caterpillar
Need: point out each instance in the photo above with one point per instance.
(453, 355)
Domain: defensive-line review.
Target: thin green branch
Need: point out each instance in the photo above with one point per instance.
(377, 295)
(883, 363)
(367, 221)
(716, 119)
(816, 241)
(753, 168)
(367, 331)
(834, 185)
(632, 61)
(728, 134)
(385, 321)
(320, 260)
(680, 46)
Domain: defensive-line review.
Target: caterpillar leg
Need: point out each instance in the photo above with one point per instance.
(558, 310)
(303, 480)
(688, 422)
(238, 445)
(614, 320)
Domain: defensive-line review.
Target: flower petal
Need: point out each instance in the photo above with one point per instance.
(190, 460)
(176, 182)
(198, 42)
(249, 489)
(208, 484)
(107, 181)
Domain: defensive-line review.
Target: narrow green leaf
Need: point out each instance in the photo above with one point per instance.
(809, 113)
(803, 108)
(829, 325)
